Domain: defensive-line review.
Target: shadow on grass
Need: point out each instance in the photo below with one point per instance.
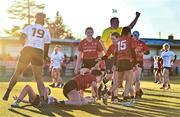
(19, 113)
(46, 111)
(143, 107)
(171, 91)
(156, 109)
(91, 109)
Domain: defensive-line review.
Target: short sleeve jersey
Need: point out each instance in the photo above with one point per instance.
(124, 47)
(111, 50)
(141, 48)
(167, 57)
(56, 59)
(84, 81)
(37, 36)
(106, 35)
(90, 49)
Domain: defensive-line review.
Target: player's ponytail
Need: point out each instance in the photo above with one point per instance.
(125, 31)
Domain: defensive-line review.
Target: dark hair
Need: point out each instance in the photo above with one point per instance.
(89, 28)
(96, 72)
(49, 90)
(98, 37)
(112, 19)
(125, 31)
(71, 58)
(116, 34)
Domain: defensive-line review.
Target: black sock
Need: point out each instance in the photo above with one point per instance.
(8, 90)
(105, 80)
(125, 98)
(109, 93)
(62, 102)
(18, 101)
(42, 98)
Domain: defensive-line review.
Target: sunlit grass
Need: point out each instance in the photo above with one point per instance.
(155, 102)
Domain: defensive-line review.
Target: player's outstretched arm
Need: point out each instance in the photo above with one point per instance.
(134, 21)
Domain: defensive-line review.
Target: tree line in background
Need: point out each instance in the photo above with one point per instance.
(23, 12)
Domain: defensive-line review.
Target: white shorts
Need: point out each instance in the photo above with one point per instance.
(56, 67)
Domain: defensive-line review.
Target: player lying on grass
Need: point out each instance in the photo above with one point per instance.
(81, 82)
(34, 98)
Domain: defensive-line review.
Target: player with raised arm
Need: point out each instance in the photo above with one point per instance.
(106, 38)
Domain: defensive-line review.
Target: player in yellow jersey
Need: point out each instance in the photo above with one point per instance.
(106, 38)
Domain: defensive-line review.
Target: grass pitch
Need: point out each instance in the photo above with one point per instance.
(155, 102)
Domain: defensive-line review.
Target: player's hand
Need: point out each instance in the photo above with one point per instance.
(138, 14)
(15, 97)
(75, 71)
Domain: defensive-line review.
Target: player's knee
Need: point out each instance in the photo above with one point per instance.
(27, 87)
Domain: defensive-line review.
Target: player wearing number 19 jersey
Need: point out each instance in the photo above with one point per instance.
(36, 41)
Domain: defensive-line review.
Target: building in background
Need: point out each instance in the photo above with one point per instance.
(10, 50)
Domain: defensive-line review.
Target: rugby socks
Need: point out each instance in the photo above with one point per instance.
(109, 93)
(6, 96)
(125, 98)
(62, 102)
(105, 80)
(18, 101)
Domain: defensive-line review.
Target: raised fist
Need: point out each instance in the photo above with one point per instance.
(138, 14)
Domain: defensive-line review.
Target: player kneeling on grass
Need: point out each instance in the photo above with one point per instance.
(81, 82)
(34, 98)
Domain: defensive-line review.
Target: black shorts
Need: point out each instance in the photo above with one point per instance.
(168, 68)
(123, 65)
(69, 86)
(140, 64)
(159, 70)
(109, 64)
(155, 69)
(31, 55)
(88, 63)
(36, 101)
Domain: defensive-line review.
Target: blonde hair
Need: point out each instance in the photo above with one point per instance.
(56, 47)
(166, 44)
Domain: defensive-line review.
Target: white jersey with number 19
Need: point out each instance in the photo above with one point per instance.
(37, 36)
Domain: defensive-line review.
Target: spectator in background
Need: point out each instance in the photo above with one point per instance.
(169, 58)
(55, 67)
